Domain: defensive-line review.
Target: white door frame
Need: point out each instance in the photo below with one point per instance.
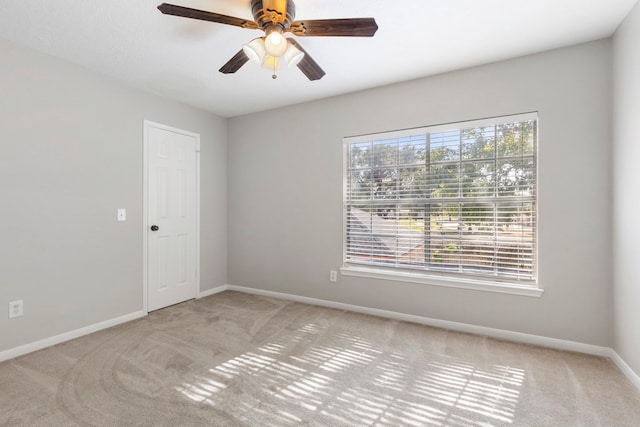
(145, 207)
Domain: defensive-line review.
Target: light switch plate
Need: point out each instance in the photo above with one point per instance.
(122, 214)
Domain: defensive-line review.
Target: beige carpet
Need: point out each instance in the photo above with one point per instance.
(236, 359)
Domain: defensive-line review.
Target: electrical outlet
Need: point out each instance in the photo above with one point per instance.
(16, 309)
(333, 276)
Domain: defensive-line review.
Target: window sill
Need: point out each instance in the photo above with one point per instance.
(422, 278)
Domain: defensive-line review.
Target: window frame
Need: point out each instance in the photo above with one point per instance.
(530, 287)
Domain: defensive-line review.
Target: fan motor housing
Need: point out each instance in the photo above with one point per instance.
(270, 12)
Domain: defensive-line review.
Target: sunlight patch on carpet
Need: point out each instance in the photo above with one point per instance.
(327, 373)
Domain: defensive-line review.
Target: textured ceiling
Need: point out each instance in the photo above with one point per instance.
(178, 58)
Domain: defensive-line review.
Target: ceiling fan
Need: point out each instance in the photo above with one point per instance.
(275, 18)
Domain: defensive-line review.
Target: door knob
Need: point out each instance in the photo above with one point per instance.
(154, 228)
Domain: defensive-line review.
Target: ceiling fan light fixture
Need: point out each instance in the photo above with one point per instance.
(275, 43)
(255, 50)
(293, 55)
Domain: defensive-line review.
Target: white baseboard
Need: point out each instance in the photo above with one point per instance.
(67, 336)
(213, 291)
(626, 369)
(445, 324)
(461, 327)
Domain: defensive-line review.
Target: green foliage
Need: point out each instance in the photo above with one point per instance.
(468, 164)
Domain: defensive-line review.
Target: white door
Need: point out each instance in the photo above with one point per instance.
(172, 223)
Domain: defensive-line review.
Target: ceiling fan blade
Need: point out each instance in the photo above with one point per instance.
(187, 12)
(354, 27)
(235, 63)
(308, 65)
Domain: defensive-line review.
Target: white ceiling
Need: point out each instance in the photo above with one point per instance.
(178, 58)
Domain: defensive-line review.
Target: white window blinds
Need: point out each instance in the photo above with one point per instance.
(452, 199)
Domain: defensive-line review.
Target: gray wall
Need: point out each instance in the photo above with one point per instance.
(285, 192)
(627, 189)
(70, 155)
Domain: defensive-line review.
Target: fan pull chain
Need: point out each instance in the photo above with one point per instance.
(274, 76)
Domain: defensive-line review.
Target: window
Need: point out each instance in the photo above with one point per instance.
(450, 204)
